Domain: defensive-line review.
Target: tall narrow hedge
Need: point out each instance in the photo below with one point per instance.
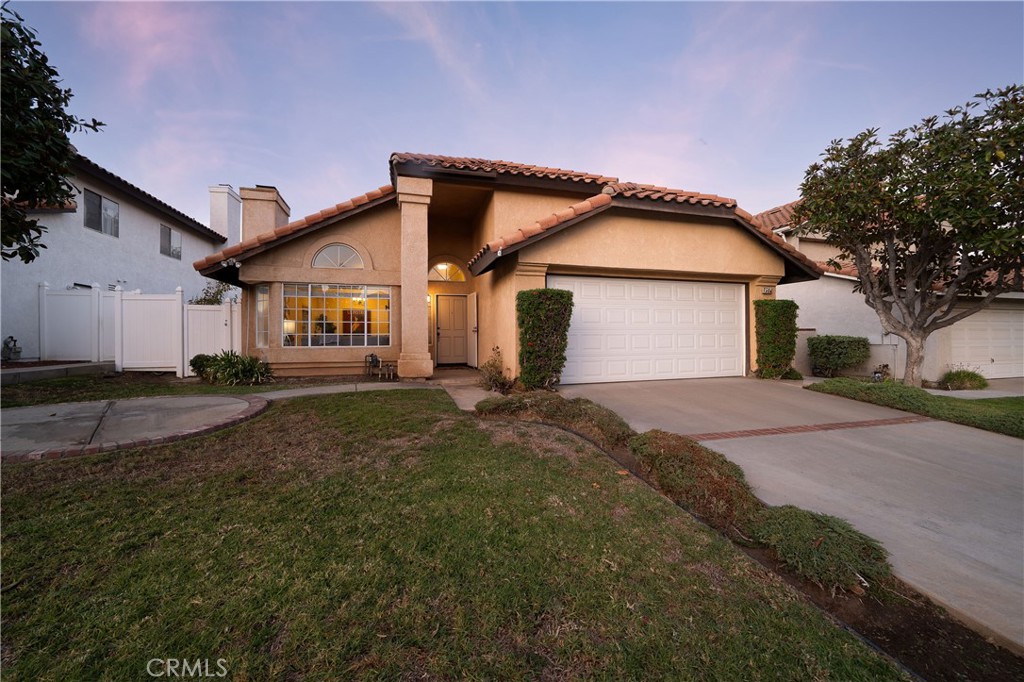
(775, 327)
(543, 317)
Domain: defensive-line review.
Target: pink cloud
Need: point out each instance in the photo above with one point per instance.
(152, 41)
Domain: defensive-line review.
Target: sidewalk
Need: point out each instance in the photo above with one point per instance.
(73, 429)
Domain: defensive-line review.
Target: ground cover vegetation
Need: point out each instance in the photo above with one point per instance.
(932, 220)
(116, 386)
(382, 536)
(838, 568)
(1001, 415)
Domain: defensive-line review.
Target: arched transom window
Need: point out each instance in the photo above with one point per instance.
(446, 272)
(337, 256)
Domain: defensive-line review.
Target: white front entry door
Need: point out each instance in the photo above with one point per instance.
(451, 330)
(638, 329)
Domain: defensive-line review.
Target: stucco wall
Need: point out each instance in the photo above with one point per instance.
(76, 253)
(376, 237)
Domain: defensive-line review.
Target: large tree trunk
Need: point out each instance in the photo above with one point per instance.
(915, 359)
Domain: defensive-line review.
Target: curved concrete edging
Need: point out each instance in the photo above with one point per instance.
(255, 405)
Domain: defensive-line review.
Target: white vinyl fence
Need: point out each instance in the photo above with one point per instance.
(139, 332)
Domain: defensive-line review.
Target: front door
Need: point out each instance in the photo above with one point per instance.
(451, 329)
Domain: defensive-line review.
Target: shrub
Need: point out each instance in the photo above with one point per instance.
(831, 354)
(200, 364)
(792, 375)
(543, 317)
(599, 424)
(230, 368)
(492, 373)
(824, 549)
(775, 326)
(213, 294)
(963, 379)
(701, 480)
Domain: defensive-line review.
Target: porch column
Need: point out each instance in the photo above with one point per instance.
(414, 200)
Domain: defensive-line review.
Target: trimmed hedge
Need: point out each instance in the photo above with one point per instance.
(831, 354)
(775, 326)
(543, 317)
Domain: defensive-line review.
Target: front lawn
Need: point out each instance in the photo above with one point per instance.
(381, 536)
(1002, 415)
(139, 385)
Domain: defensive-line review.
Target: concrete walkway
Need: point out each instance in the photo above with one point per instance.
(73, 429)
(947, 501)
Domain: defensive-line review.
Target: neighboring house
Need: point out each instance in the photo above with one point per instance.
(990, 341)
(425, 272)
(112, 234)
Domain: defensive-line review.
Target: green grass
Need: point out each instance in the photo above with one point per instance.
(387, 535)
(132, 385)
(1002, 415)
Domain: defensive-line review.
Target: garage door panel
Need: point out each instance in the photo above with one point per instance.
(991, 341)
(628, 330)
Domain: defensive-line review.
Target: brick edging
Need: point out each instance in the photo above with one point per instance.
(256, 406)
(808, 428)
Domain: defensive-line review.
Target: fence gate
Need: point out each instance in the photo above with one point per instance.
(210, 329)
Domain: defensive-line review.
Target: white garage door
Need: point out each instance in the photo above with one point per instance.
(637, 329)
(992, 341)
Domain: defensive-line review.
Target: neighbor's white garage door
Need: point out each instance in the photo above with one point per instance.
(637, 329)
(992, 341)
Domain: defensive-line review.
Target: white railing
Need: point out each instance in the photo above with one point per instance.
(139, 332)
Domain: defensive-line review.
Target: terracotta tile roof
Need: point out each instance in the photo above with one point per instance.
(463, 163)
(667, 194)
(241, 249)
(780, 216)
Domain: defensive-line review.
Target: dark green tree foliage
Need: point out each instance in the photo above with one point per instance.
(36, 151)
(543, 317)
(832, 354)
(931, 217)
(775, 326)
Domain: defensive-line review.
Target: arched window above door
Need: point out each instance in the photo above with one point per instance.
(338, 256)
(446, 272)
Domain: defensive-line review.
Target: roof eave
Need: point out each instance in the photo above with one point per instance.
(90, 167)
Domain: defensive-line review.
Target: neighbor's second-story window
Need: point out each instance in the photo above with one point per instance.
(170, 242)
(101, 214)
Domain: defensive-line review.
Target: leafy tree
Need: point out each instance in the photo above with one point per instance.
(933, 221)
(36, 151)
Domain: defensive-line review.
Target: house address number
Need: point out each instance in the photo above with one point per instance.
(766, 291)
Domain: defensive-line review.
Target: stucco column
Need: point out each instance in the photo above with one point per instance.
(414, 200)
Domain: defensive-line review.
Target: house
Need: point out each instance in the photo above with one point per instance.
(112, 234)
(424, 272)
(990, 342)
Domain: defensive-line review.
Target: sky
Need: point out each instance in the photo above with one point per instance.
(734, 99)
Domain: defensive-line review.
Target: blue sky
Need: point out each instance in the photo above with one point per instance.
(735, 99)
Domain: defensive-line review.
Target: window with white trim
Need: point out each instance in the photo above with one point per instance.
(170, 242)
(336, 315)
(446, 272)
(263, 316)
(338, 256)
(101, 214)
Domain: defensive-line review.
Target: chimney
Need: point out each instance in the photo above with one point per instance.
(263, 209)
(226, 212)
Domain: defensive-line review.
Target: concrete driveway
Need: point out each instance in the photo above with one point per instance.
(947, 501)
